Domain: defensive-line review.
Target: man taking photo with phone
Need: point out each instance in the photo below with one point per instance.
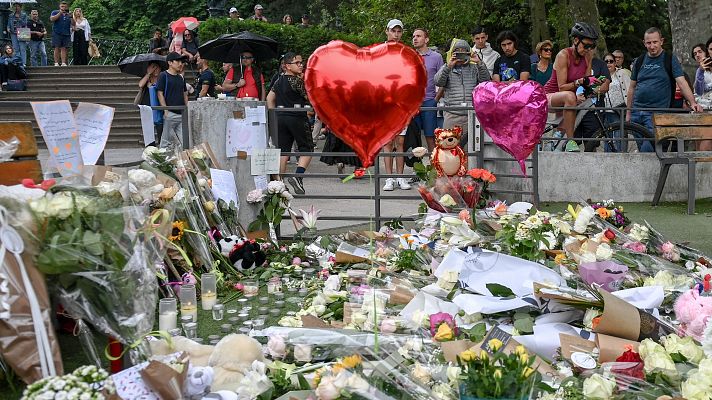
(61, 38)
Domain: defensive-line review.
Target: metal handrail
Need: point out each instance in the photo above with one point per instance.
(112, 50)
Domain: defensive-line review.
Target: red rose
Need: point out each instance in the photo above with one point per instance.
(609, 234)
(635, 370)
(359, 172)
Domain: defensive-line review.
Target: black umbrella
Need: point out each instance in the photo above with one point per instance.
(138, 65)
(227, 48)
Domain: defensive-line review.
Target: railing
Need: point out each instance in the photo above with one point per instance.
(112, 51)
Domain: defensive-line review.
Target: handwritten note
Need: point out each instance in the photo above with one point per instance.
(93, 123)
(256, 114)
(265, 162)
(56, 122)
(149, 135)
(261, 182)
(241, 135)
(224, 185)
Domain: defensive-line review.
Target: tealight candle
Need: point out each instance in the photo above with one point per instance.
(218, 312)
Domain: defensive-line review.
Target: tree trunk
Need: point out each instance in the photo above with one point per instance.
(586, 11)
(540, 28)
(689, 23)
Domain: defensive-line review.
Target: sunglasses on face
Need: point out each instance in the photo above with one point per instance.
(548, 50)
(588, 46)
(609, 61)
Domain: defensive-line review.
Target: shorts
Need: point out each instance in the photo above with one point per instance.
(60, 41)
(294, 129)
(427, 120)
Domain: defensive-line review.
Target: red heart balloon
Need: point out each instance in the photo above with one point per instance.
(366, 96)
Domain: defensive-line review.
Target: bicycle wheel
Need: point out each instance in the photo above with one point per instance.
(611, 131)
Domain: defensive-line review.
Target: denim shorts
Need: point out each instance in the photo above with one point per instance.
(60, 41)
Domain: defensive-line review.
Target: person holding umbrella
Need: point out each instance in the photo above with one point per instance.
(248, 81)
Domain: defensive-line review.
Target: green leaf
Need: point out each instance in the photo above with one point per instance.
(678, 357)
(498, 290)
(93, 243)
(303, 383)
(477, 332)
(524, 325)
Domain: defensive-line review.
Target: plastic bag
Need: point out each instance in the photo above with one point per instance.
(7, 149)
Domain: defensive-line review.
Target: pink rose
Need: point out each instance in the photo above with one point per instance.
(296, 261)
(667, 247)
(239, 287)
(635, 246)
(465, 216)
(388, 326)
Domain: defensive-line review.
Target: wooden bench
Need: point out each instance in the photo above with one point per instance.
(682, 128)
(24, 163)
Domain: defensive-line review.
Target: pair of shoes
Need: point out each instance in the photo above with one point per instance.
(297, 184)
(571, 146)
(56, 64)
(403, 184)
(390, 185)
(64, 64)
(340, 167)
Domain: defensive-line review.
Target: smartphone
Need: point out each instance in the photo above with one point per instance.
(462, 56)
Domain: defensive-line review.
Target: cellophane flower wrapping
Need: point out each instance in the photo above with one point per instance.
(97, 247)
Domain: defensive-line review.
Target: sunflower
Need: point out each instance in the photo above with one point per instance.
(177, 232)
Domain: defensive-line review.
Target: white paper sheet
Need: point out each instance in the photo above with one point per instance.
(429, 304)
(242, 135)
(265, 162)
(261, 182)
(56, 122)
(256, 114)
(645, 297)
(545, 340)
(93, 124)
(474, 303)
(224, 185)
(478, 268)
(149, 135)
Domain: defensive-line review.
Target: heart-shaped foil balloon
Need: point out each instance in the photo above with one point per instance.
(366, 96)
(513, 115)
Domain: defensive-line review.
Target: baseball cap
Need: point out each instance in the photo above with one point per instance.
(232, 10)
(393, 23)
(259, 7)
(173, 56)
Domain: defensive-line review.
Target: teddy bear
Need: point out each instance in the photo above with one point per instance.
(243, 253)
(231, 358)
(198, 382)
(693, 310)
(448, 159)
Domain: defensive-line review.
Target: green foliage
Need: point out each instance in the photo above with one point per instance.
(498, 290)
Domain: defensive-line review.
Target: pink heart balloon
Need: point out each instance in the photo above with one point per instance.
(512, 114)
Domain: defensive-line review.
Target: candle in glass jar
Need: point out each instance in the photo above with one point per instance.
(167, 314)
(208, 291)
(188, 302)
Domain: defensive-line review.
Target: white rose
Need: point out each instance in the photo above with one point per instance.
(320, 309)
(421, 373)
(696, 388)
(142, 178)
(420, 152)
(453, 373)
(357, 384)
(333, 283)
(598, 387)
(587, 257)
(276, 187)
(685, 346)
(442, 391)
(292, 322)
(705, 366)
(358, 318)
(604, 252)
(583, 218)
(326, 389)
(591, 313)
(276, 346)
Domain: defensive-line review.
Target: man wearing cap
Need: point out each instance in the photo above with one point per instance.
(394, 32)
(305, 21)
(463, 71)
(234, 14)
(258, 14)
(172, 92)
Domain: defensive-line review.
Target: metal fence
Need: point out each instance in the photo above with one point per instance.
(112, 51)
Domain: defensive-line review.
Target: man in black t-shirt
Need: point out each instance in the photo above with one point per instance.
(37, 34)
(158, 45)
(172, 92)
(512, 65)
(205, 87)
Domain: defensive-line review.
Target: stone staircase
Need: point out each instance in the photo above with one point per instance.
(103, 84)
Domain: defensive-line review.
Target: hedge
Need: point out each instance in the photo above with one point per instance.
(302, 41)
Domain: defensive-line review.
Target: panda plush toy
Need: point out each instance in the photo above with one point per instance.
(244, 254)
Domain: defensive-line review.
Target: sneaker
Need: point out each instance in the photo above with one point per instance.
(403, 184)
(297, 184)
(390, 185)
(56, 64)
(571, 146)
(64, 64)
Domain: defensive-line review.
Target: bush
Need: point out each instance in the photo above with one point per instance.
(302, 41)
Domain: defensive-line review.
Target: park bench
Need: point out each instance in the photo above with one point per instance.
(24, 163)
(684, 128)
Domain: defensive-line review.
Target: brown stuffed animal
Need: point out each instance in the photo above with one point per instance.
(448, 159)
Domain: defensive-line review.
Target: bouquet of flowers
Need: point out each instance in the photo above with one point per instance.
(85, 382)
(275, 201)
(528, 236)
(608, 211)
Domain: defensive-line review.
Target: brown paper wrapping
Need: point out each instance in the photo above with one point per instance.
(453, 348)
(18, 345)
(164, 380)
(623, 320)
(571, 344)
(611, 347)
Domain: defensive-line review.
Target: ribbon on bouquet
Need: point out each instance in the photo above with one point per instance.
(138, 342)
(10, 241)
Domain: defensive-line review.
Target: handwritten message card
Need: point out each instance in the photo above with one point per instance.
(93, 123)
(59, 131)
(265, 162)
(224, 185)
(242, 135)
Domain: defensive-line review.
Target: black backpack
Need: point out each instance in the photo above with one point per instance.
(667, 61)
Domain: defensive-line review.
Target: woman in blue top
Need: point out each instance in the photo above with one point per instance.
(17, 20)
(541, 71)
(11, 67)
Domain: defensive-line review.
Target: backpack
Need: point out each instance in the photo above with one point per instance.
(667, 61)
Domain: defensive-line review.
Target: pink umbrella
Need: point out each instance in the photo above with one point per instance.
(181, 24)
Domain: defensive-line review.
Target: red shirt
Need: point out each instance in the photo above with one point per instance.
(250, 88)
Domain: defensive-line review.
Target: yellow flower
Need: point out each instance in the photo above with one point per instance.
(483, 354)
(497, 373)
(351, 361)
(527, 371)
(560, 258)
(468, 355)
(177, 232)
(495, 344)
(444, 333)
(336, 368)
(522, 353)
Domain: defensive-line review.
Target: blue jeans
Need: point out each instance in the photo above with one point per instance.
(427, 120)
(20, 48)
(644, 118)
(38, 46)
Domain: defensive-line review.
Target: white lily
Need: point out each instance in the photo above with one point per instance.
(309, 218)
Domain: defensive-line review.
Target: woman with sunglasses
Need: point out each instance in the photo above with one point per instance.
(572, 67)
(541, 71)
